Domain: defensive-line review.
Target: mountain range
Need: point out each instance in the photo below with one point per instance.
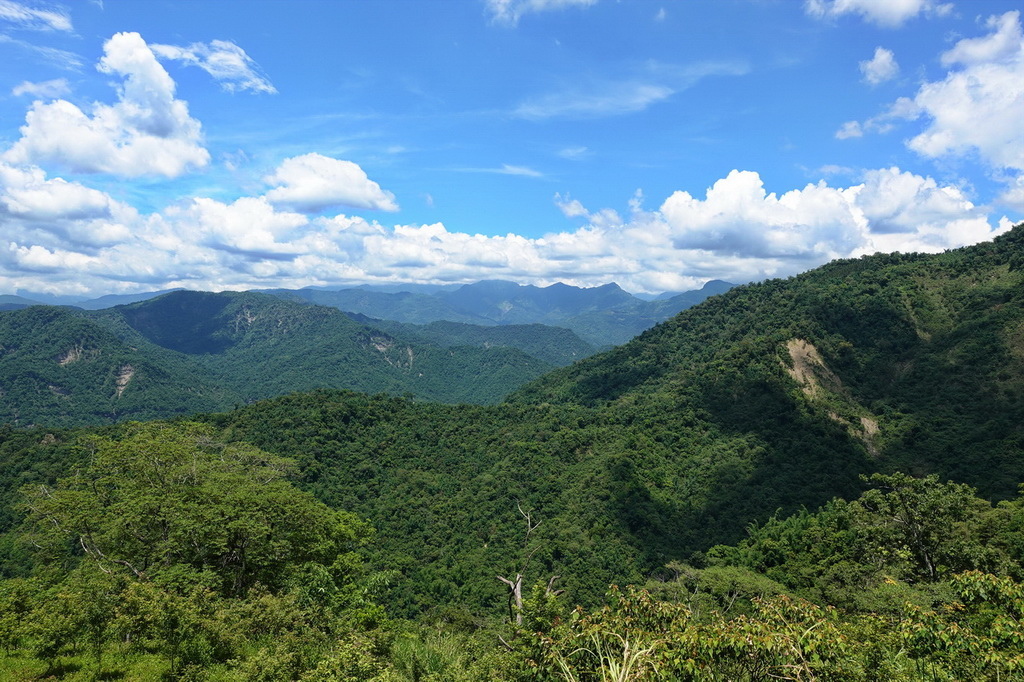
(765, 400)
(689, 459)
(179, 352)
(602, 316)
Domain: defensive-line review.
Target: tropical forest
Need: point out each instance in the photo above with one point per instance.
(809, 478)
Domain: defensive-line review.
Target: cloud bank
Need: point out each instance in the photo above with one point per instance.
(301, 226)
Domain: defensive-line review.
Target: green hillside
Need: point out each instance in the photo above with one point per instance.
(59, 368)
(686, 460)
(768, 399)
(555, 345)
(188, 352)
(917, 358)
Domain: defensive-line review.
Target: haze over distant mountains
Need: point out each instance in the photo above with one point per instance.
(603, 316)
(180, 352)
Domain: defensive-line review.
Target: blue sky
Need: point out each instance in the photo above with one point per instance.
(147, 144)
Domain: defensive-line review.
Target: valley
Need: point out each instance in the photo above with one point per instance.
(702, 457)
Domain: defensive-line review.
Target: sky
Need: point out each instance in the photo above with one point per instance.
(658, 144)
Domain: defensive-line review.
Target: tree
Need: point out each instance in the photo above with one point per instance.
(920, 525)
(171, 504)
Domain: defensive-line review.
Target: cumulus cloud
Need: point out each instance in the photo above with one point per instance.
(1013, 196)
(849, 129)
(738, 217)
(570, 208)
(887, 13)
(250, 225)
(881, 67)
(146, 132)
(974, 111)
(65, 236)
(55, 213)
(977, 108)
(313, 182)
(30, 18)
(508, 12)
(44, 90)
(226, 62)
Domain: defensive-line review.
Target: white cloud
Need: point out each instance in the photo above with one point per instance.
(895, 202)
(249, 225)
(738, 217)
(509, 12)
(68, 237)
(887, 13)
(978, 108)
(44, 90)
(55, 213)
(611, 100)
(656, 83)
(975, 111)
(62, 59)
(1013, 196)
(25, 17)
(313, 182)
(881, 67)
(222, 59)
(848, 130)
(146, 132)
(891, 210)
(574, 153)
(570, 208)
(507, 169)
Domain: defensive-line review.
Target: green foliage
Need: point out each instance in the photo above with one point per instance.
(855, 390)
(188, 352)
(166, 544)
(556, 346)
(172, 505)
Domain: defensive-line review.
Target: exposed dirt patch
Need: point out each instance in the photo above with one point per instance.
(76, 353)
(809, 369)
(124, 377)
(815, 379)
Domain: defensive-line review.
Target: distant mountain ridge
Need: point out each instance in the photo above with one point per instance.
(186, 352)
(602, 316)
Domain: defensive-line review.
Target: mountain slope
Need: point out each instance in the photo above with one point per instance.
(261, 346)
(60, 368)
(188, 352)
(919, 358)
(555, 345)
(764, 400)
(602, 316)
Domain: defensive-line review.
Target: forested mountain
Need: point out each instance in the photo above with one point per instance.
(602, 316)
(187, 352)
(556, 345)
(770, 397)
(59, 367)
(687, 459)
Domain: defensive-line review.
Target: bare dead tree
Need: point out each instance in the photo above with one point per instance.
(515, 585)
